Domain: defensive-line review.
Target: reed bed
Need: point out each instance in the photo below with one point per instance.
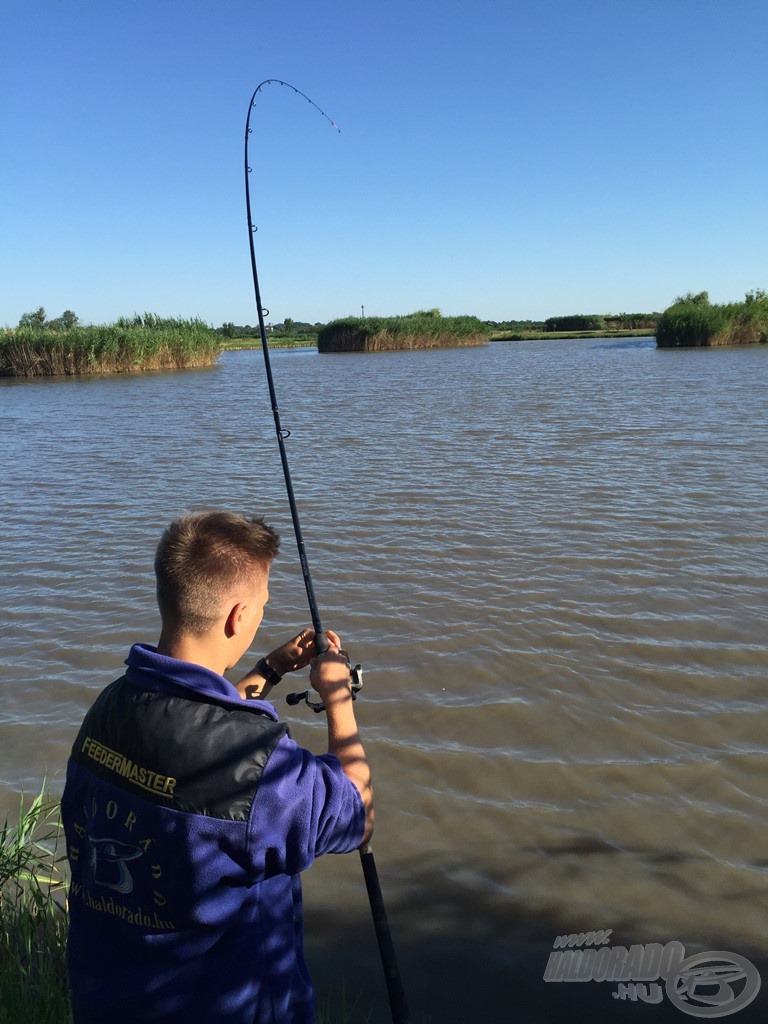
(132, 344)
(416, 331)
(33, 921)
(692, 322)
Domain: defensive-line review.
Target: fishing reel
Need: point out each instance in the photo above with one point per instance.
(356, 685)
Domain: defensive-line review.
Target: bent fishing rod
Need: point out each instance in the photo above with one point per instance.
(395, 991)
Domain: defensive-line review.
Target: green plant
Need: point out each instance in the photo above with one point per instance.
(692, 322)
(424, 329)
(142, 342)
(577, 322)
(33, 979)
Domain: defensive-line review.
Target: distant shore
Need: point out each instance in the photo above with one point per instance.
(309, 341)
(647, 332)
(239, 344)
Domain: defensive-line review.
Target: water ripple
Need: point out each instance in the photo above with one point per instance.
(551, 559)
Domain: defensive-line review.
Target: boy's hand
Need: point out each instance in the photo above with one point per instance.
(299, 651)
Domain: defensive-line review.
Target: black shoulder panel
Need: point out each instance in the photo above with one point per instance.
(198, 757)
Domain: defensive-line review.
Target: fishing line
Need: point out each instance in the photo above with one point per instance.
(395, 991)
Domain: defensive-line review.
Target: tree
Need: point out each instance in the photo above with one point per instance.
(68, 320)
(65, 322)
(36, 321)
(288, 326)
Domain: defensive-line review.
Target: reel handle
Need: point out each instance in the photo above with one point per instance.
(356, 685)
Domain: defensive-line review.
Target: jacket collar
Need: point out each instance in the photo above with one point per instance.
(161, 674)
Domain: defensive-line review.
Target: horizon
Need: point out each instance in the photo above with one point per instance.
(321, 323)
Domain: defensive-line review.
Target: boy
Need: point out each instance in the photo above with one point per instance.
(190, 812)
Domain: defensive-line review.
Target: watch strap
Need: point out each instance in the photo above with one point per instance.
(268, 673)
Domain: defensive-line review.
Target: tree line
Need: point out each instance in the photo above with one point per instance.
(602, 322)
(580, 322)
(38, 320)
(290, 328)
(574, 322)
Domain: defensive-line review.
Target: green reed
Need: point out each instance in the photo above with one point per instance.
(425, 329)
(692, 322)
(33, 921)
(142, 342)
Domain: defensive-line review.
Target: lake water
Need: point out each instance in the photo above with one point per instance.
(551, 558)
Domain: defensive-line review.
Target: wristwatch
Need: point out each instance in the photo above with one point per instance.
(268, 673)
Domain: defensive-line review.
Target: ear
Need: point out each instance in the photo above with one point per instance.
(234, 621)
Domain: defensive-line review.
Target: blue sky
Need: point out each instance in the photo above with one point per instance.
(503, 158)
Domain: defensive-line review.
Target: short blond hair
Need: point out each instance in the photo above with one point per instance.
(202, 558)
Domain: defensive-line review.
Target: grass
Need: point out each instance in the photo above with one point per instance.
(33, 923)
(425, 329)
(131, 344)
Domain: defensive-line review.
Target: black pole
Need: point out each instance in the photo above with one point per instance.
(395, 991)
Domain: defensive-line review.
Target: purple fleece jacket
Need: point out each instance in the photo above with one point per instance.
(189, 814)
